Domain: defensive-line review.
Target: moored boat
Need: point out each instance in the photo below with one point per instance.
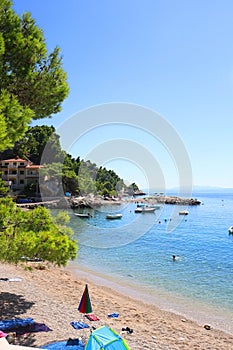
(184, 212)
(156, 207)
(145, 210)
(83, 215)
(148, 210)
(113, 216)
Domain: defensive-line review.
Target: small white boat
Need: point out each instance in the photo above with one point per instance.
(184, 212)
(230, 230)
(83, 215)
(156, 207)
(148, 210)
(145, 210)
(113, 216)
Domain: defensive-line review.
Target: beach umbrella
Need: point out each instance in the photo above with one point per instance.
(85, 302)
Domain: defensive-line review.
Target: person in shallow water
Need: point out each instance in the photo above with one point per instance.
(173, 257)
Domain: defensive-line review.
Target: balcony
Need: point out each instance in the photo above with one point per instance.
(32, 174)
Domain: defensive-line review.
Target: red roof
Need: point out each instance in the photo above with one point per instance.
(15, 160)
(34, 166)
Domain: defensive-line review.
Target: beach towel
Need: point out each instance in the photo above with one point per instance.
(70, 344)
(22, 326)
(92, 317)
(39, 327)
(33, 328)
(79, 325)
(8, 325)
(113, 315)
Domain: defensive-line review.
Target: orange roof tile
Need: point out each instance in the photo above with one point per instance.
(34, 166)
(15, 160)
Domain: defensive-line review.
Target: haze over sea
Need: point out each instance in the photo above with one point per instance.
(198, 285)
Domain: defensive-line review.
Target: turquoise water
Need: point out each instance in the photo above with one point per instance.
(138, 250)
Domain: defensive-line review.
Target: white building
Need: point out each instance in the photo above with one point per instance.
(18, 173)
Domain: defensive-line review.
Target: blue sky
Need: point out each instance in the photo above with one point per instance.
(174, 57)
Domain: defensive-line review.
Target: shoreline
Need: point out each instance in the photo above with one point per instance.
(51, 296)
(172, 303)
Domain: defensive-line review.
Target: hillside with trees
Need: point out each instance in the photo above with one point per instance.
(79, 177)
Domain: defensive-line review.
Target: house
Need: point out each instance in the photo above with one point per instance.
(19, 173)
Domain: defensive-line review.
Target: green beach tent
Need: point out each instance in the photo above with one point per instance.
(105, 338)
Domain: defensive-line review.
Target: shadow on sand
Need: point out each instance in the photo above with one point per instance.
(13, 306)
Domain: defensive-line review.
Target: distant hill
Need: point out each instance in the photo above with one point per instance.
(198, 189)
(212, 189)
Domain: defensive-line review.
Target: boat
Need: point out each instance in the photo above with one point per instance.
(144, 210)
(156, 207)
(138, 210)
(184, 212)
(83, 215)
(148, 210)
(141, 205)
(113, 216)
(230, 230)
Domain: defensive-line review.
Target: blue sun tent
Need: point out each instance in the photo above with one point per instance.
(105, 338)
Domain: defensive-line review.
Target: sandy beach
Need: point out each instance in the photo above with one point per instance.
(52, 295)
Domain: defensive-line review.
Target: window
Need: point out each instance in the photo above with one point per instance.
(21, 182)
(21, 172)
(21, 163)
(5, 172)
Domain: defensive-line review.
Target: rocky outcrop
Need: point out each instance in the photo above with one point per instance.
(85, 202)
(173, 200)
(94, 202)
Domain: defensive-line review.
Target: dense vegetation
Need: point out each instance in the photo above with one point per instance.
(34, 233)
(77, 176)
(32, 85)
(29, 75)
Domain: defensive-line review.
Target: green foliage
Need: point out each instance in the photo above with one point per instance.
(70, 180)
(14, 119)
(3, 188)
(34, 234)
(131, 189)
(108, 182)
(42, 146)
(32, 85)
(53, 171)
(34, 142)
(27, 71)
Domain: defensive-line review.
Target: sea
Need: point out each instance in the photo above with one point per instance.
(137, 251)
